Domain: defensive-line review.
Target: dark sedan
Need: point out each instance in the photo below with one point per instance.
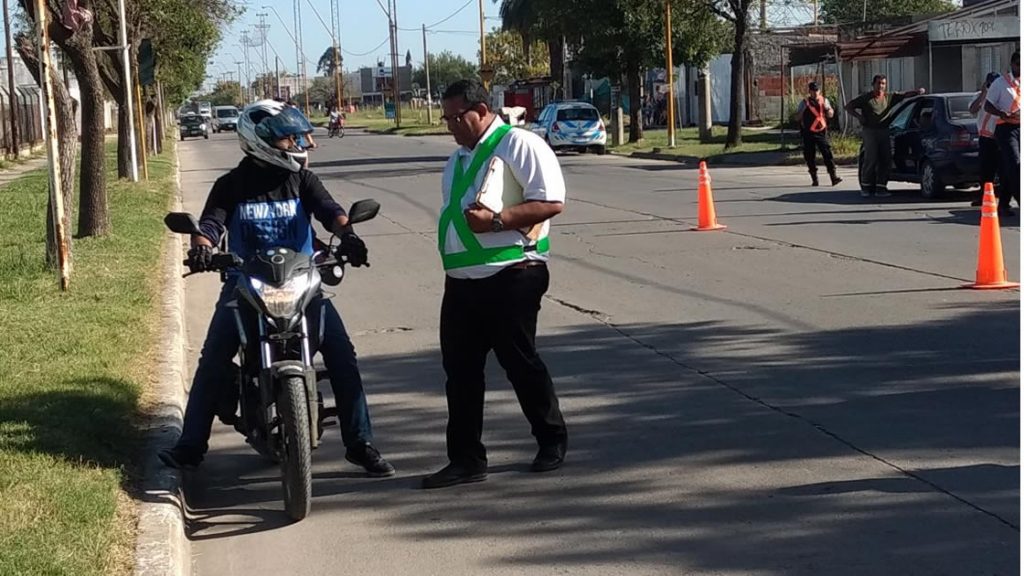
(194, 125)
(934, 142)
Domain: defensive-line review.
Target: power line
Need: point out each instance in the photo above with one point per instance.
(442, 21)
(367, 53)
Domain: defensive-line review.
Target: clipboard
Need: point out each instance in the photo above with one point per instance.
(509, 194)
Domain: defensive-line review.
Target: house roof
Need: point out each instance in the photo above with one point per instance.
(911, 39)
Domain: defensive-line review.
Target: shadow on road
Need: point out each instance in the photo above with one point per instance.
(669, 425)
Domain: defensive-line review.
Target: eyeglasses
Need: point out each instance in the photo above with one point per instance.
(457, 117)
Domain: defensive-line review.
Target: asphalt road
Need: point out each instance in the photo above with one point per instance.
(807, 392)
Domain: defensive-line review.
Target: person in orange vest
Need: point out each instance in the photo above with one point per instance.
(988, 148)
(813, 113)
(1003, 101)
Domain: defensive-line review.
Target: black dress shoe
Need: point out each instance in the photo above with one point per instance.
(548, 458)
(180, 458)
(369, 458)
(453, 474)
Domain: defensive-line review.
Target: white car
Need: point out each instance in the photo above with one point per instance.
(571, 126)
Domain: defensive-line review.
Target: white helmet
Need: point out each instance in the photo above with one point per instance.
(265, 121)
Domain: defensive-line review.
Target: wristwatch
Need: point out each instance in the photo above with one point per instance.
(496, 224)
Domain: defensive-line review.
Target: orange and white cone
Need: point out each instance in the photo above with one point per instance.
(706, 219)
(991, 272)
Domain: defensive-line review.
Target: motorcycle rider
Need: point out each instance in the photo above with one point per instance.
(266, 201)
(336, 117)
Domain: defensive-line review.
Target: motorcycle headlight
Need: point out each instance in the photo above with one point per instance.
(281, 302)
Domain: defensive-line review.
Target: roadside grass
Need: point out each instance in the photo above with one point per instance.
(755, 141)
(74, 369)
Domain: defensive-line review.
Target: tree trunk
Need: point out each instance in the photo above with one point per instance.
(159, 116)
(67, 142)
(93, 213)
(735, 137)
(556, 54)
(124, 151)
(633, 82)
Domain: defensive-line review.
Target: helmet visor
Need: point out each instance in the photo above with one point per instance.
(290, 122)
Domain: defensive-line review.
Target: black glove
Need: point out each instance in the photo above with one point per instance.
(200, 258)
(352, 250)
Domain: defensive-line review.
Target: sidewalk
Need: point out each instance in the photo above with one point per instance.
(18, 170)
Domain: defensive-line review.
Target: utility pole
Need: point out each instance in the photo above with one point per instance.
(249, 90)
(266, 63)
(241, 92)
(426, 66)
(56, 196)
(396, 90)
(126, 61)
(486, 71)
(15, 146)
(669, 76)
(335, 16)
(764, 15)
(277, 74)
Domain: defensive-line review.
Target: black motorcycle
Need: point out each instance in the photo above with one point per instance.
(336, 128)
(282, 413)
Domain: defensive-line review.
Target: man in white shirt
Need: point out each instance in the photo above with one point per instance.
(500, 189)
(988, 148)
(1003, 101)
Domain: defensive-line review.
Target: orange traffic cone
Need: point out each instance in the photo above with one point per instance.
(991, 273)
(706, 219)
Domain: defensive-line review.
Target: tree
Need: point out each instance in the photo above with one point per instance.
(445, 69)
(321, 91)
(842, 12)
(77, 43)
(506, 53)
(736, 12)
(551, 22)
(625, 36)
(325, 65)
(225, 93)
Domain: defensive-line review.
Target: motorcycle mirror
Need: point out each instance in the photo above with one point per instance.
(363, 210)
(182, 223)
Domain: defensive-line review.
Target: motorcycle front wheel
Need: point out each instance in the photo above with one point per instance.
(296, 460)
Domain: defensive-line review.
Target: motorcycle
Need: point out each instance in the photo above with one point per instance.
(336, 128)
(282, 413)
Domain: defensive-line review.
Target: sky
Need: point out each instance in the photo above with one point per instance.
(364, 32)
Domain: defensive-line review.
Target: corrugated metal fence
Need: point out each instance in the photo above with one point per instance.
(30, 128)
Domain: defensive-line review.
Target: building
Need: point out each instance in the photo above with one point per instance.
(375, 84)
(946, 53)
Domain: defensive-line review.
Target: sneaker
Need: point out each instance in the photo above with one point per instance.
(369, 458)
(865, 194)
(814, 180)
(882, 192)
(180, 458)
(835, 180)
(452, 475)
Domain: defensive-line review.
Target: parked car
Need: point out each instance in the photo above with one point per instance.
(571, 126)
(934, 141)
(225, 118)
(194, 125)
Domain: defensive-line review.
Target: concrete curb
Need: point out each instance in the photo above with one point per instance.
(161, 548)
(725, 160)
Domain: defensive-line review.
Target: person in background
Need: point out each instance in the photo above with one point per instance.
(1003, 101)
(813, 113)
(988, 149)
(871, 108)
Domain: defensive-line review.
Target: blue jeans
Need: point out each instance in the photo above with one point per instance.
(215, 371)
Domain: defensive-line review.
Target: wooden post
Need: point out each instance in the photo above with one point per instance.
(53, 150)
(15, 145)
(142, 128)
(670, 77)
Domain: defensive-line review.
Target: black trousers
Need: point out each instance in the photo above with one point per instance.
(815, 142)
(1008, 139)
(497, 313)
(988, 158)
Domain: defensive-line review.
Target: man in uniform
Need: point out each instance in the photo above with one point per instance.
(500, 189)
(1003, 101)
(870, 108)
(813, 113)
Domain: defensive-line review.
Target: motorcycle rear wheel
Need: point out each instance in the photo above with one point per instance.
(296, 458)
